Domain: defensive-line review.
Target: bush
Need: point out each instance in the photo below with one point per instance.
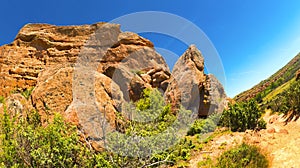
(24, 142)
(245, 156)
(202, 126)
(290, 99)
(287, 102)
(242, 116)
(152, 122)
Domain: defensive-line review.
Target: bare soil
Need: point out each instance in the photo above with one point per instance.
(280, 142)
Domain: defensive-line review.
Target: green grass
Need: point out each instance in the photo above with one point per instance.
(278, 90)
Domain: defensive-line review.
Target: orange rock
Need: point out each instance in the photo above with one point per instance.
(271, 130)
(283, 131)
(193, 88)
(43, 56)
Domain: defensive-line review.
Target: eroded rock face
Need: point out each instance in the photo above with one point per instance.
(141, 69)
(53, 92)
(36, 47)
(192, 88)
(188, 80)
(49, 59)
(16, 105)
(217, 98)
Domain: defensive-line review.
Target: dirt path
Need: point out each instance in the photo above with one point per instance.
(280, 141)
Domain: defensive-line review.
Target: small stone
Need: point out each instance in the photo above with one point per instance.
(271, 130)
(273, 119)
(283, 131)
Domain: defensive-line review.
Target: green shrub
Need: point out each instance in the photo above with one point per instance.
(290, 99)
(148, 117)
(245, 156)
(27, 92)
(242, 116)
(287, 102)
(24, 142)
(2, 99)
(201, 126)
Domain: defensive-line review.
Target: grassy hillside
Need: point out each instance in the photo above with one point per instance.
(278, 90)
(265, 89)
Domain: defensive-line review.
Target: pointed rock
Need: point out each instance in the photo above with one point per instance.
(192, 88)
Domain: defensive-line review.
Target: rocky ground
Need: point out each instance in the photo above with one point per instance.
(280, 142)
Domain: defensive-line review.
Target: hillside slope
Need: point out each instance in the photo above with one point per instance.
(261, 90)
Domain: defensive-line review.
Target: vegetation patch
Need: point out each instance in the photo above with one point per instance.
(245, 155)
(27, 92)
(243, 116)
(2, 99)
(287, 102)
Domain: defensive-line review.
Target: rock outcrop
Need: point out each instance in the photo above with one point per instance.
(217, 98)
(16, 105)
(192, 88)
(36, 47)
(119, 65)
(298, 75)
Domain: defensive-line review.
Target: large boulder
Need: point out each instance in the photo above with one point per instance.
(188, 81)
(192, 88)
(128, 65)
(54, 93)
(217, 98)
(16, 105)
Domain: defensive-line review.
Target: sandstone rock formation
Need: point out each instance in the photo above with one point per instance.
(36, 47)
(87, 75)
(192, 88)
(217, 98)
(298, 75)
(16, 105)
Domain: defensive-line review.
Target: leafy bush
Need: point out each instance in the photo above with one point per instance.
(24, 142)
(148, 116)
(242, 156)
(145, 119)
(242, 116)
(201, 126)
(288, 100)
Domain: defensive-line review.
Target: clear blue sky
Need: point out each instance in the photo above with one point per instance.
(254, 38)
